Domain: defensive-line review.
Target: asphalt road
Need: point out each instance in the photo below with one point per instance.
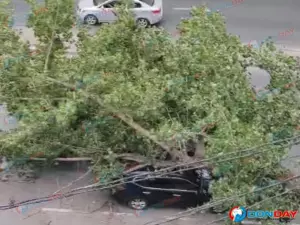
(251, 19)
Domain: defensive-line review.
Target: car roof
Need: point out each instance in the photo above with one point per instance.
(99, 2)
(147, 170)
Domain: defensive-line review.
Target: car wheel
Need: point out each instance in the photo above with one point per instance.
(142, 22)
(137, 203)
(91, 20)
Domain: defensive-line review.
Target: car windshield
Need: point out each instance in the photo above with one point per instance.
(148, 2)
(98, 2)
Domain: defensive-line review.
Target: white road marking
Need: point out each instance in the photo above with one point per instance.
(56, 210)
(118, 214)
(73, 211)
(182, 8)
(186, 218)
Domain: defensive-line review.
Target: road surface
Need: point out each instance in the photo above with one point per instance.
(251, 19)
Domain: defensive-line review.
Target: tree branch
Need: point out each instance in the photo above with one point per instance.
(51, 44)
(129, 121)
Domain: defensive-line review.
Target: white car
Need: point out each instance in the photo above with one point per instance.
(147, 12)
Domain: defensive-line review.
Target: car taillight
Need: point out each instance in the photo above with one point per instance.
(157, 11)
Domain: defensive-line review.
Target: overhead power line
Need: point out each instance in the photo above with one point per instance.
(97, 187)
(253, 149)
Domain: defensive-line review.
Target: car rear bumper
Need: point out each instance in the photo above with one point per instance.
(156, 19)
(120, 196)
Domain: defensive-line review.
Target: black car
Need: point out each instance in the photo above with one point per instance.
(183, 189)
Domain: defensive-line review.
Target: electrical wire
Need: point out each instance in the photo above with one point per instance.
(121, 181)
(218, 202)
(80, 178)
(110, 185)
(204, 160)
(115, 183)
(150, 174)
(194, 162)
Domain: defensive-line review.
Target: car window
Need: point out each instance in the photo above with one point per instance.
(98, 2)
(168, 183)
(184, 184)
(137, 5)
(144, 183)
(161, 183)
(108, 5)
(148, 2)
(111, 4)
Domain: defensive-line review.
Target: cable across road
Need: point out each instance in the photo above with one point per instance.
(159, 173)
(155, 174)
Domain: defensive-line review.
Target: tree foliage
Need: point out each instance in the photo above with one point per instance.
(137, 91)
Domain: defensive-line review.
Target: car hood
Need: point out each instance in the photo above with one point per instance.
(86, 4)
